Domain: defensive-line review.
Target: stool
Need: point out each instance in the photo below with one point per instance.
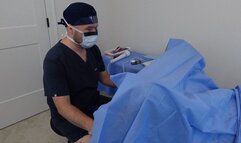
(56, 130)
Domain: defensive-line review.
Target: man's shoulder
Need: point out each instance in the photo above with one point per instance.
(55, 52)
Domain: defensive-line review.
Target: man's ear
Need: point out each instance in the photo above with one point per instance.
(70, 30)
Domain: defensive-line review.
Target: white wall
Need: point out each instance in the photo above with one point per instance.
(212, 27)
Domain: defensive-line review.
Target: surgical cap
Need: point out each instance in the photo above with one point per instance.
(80, 13)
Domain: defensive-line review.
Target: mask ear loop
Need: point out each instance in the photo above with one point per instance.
(67, 36)
(73, 27)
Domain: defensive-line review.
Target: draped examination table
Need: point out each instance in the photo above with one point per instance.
(170, 101)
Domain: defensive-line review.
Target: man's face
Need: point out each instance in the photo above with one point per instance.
(87, 27)
(77, 36)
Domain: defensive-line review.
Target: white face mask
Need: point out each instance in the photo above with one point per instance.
(87, 41)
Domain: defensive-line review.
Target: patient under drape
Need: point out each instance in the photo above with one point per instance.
(170, 101)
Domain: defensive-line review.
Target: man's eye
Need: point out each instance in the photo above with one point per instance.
(92, 30)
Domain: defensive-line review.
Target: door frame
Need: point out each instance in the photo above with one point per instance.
(51, 15)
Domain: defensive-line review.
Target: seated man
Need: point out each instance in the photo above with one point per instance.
(72, 69)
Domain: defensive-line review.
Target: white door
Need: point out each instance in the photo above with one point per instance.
(24, 41)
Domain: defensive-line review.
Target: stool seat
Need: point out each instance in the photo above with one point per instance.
(56, 130)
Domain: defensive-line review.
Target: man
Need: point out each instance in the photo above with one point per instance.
(72, 69)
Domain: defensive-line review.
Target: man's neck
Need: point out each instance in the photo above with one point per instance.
(76, 48)
(72, 45)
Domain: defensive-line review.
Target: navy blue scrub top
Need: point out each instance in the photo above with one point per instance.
(66, 73)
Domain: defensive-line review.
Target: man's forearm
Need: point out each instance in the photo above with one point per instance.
(105, 79)
(76, 117)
